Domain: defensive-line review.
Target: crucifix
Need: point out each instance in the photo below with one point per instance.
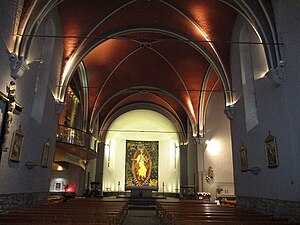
(6, 116)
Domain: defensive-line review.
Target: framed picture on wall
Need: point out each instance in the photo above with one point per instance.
(16, 145)
(271, 151)
(2, 111)
(243, 158)
(58, 186)
(45, 154)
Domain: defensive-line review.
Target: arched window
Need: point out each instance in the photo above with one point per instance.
(43, 73)
(248, 65)
(247, 75)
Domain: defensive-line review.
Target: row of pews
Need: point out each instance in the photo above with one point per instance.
(78, 212)
(189, 212)
(114, 211)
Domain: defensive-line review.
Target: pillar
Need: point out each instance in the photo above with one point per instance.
(200, 162)
(183, 165)
(99, 165)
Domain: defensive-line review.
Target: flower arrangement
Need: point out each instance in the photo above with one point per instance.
(203, 195)
(219, 189)
(208, 178)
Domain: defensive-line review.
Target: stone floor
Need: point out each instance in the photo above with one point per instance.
(142, 217)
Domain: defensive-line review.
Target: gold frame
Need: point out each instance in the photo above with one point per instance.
(243, 158)
(16, 146)
(45, 154)
(271, 151)
(2, 115)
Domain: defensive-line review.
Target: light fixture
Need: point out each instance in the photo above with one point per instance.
(255, 170)
(108, 156)
(30, 165)
(175, 154)
(59, 168)
(40, 61)
(213, 147)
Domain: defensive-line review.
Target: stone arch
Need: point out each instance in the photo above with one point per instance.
(115, 149)
(179, 127)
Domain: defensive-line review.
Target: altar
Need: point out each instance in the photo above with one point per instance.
(141, 191)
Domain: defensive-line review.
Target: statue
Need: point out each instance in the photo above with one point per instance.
(9, 114)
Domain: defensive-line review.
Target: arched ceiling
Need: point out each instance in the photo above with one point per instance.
(173, 54)
(153, 54)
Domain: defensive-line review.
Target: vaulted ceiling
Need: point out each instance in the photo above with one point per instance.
(169, 54)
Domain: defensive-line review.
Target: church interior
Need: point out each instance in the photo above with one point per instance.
(179, 104)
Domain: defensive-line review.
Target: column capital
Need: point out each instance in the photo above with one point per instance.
(229, 111)
(199, 140)
(182, 146)
(276, 75)
(17, 66)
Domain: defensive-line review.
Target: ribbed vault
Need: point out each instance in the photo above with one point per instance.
(171, 54)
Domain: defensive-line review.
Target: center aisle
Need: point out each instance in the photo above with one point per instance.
(144, 217)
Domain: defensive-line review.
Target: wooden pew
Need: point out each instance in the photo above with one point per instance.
(78, 212)
(195, 213)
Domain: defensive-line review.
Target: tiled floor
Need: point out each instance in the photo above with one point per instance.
(141, 217)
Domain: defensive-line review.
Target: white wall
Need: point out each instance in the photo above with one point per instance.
(277, 111)
(139, 122)
(15, 177)
(218, 152)
(287, 17)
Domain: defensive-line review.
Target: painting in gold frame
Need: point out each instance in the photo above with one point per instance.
(271, 151)
(16, 146)
(45, 154)
(243, 158)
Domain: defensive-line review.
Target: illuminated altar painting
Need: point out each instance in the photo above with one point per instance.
(141, 168)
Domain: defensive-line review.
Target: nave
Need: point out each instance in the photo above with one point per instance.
(115, 211)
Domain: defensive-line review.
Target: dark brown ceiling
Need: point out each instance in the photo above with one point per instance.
(148, 51)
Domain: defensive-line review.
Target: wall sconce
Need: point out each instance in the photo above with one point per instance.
(30, 165)
(213, 147)
(108, 157)
(40, 61)
(255, 170)
(175, 154)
